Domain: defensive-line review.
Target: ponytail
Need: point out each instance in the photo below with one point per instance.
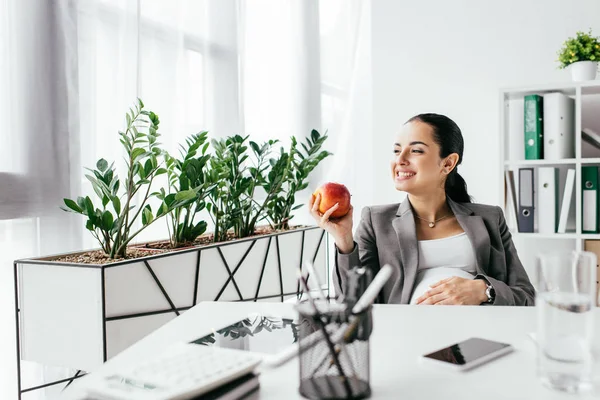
(456, 188)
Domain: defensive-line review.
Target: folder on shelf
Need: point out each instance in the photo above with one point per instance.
(565, 207)
(589, 207)
(534, 127)
(526, 200)
(547, 192)
(511, 200)
(591, 137)
(559, 126)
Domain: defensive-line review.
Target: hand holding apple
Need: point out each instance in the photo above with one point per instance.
(330, 207)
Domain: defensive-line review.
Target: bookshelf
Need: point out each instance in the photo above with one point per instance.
(587, 106)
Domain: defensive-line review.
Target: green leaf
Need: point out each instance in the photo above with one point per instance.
(89, 206)
(116, 204)
(89, 225)
(107, 221)
(185, 195)
(137, 152)
(72, 205)
(255, 147)
(148, 167)
(147, 217)
(160, 171)
(102, 165)
(169, 199)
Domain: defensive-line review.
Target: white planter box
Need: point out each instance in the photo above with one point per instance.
(80, 315)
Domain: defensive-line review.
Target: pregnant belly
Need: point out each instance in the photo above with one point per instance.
(430, 276)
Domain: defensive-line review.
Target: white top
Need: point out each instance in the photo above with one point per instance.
(443, 258)
(401, 334)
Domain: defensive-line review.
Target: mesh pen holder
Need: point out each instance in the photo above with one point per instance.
(335, 365)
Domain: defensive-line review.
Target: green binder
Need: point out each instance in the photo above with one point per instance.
(534, 127)
(589, 199)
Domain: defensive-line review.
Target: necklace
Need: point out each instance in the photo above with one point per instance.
(432, 223)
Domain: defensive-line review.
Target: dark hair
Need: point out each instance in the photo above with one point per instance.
(449, 137)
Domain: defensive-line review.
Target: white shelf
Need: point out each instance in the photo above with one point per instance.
(516, 163)
(566, 161)
(568, 88)
(536, 235)
(590, 160)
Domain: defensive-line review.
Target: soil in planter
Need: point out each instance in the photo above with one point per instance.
(208, 238)
(98, 256)
(147, 249)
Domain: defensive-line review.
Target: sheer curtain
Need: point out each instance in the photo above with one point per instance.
(70, 69)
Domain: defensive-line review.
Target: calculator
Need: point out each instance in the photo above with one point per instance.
(183, 371)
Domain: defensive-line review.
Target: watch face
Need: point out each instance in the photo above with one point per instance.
(489, 292)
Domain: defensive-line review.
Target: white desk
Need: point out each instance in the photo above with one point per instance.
(401, 334)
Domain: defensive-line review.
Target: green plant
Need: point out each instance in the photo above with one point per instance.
(233, 201)
(584, 47)
(113, 224)
(281, 206)
(189, 185)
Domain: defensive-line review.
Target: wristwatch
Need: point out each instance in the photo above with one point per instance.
(490, 292)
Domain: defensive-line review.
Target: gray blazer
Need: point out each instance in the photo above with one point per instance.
(387, 235)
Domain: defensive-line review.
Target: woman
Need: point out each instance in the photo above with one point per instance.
(443, 248)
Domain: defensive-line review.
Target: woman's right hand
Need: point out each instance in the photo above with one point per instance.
(339, 228)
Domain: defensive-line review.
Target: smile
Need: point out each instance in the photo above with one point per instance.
(404, 175)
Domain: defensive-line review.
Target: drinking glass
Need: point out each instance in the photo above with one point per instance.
(565, 301)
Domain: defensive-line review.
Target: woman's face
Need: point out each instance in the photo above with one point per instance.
(416, 166)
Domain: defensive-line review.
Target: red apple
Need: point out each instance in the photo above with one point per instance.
(332, 193)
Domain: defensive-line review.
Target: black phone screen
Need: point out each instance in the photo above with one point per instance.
(467, 351)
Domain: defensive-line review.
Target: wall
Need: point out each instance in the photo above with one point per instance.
(452, 57)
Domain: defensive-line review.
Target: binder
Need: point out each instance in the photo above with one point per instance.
(559, 126)
(589, 207)
(565, 207)
(511, 200)
(547, 192)
(591, 137)
(526, 200)
(534, 127)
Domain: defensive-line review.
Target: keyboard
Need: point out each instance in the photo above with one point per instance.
(183, 371)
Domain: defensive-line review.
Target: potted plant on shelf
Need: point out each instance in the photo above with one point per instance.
(123, 292)
(581, 55)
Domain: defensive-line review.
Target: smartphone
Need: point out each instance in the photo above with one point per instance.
(468, 353)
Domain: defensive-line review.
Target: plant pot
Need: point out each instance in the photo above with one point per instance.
(583, 70)
(79, 315)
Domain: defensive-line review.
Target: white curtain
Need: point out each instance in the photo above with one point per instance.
(70, 69)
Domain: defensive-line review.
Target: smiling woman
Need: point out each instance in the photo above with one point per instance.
(444, 248)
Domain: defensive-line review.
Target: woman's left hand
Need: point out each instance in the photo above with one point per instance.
(455, 290)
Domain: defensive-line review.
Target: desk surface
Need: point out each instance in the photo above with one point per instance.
(401, 334)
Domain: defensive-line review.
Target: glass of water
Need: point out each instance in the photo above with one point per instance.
(565, 301)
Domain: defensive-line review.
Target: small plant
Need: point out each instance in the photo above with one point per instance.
(113, 225)
(584, 47)
(281, 206)
(234, 203)
(189, 185)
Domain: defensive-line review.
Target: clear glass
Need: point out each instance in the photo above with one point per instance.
(565, 301)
